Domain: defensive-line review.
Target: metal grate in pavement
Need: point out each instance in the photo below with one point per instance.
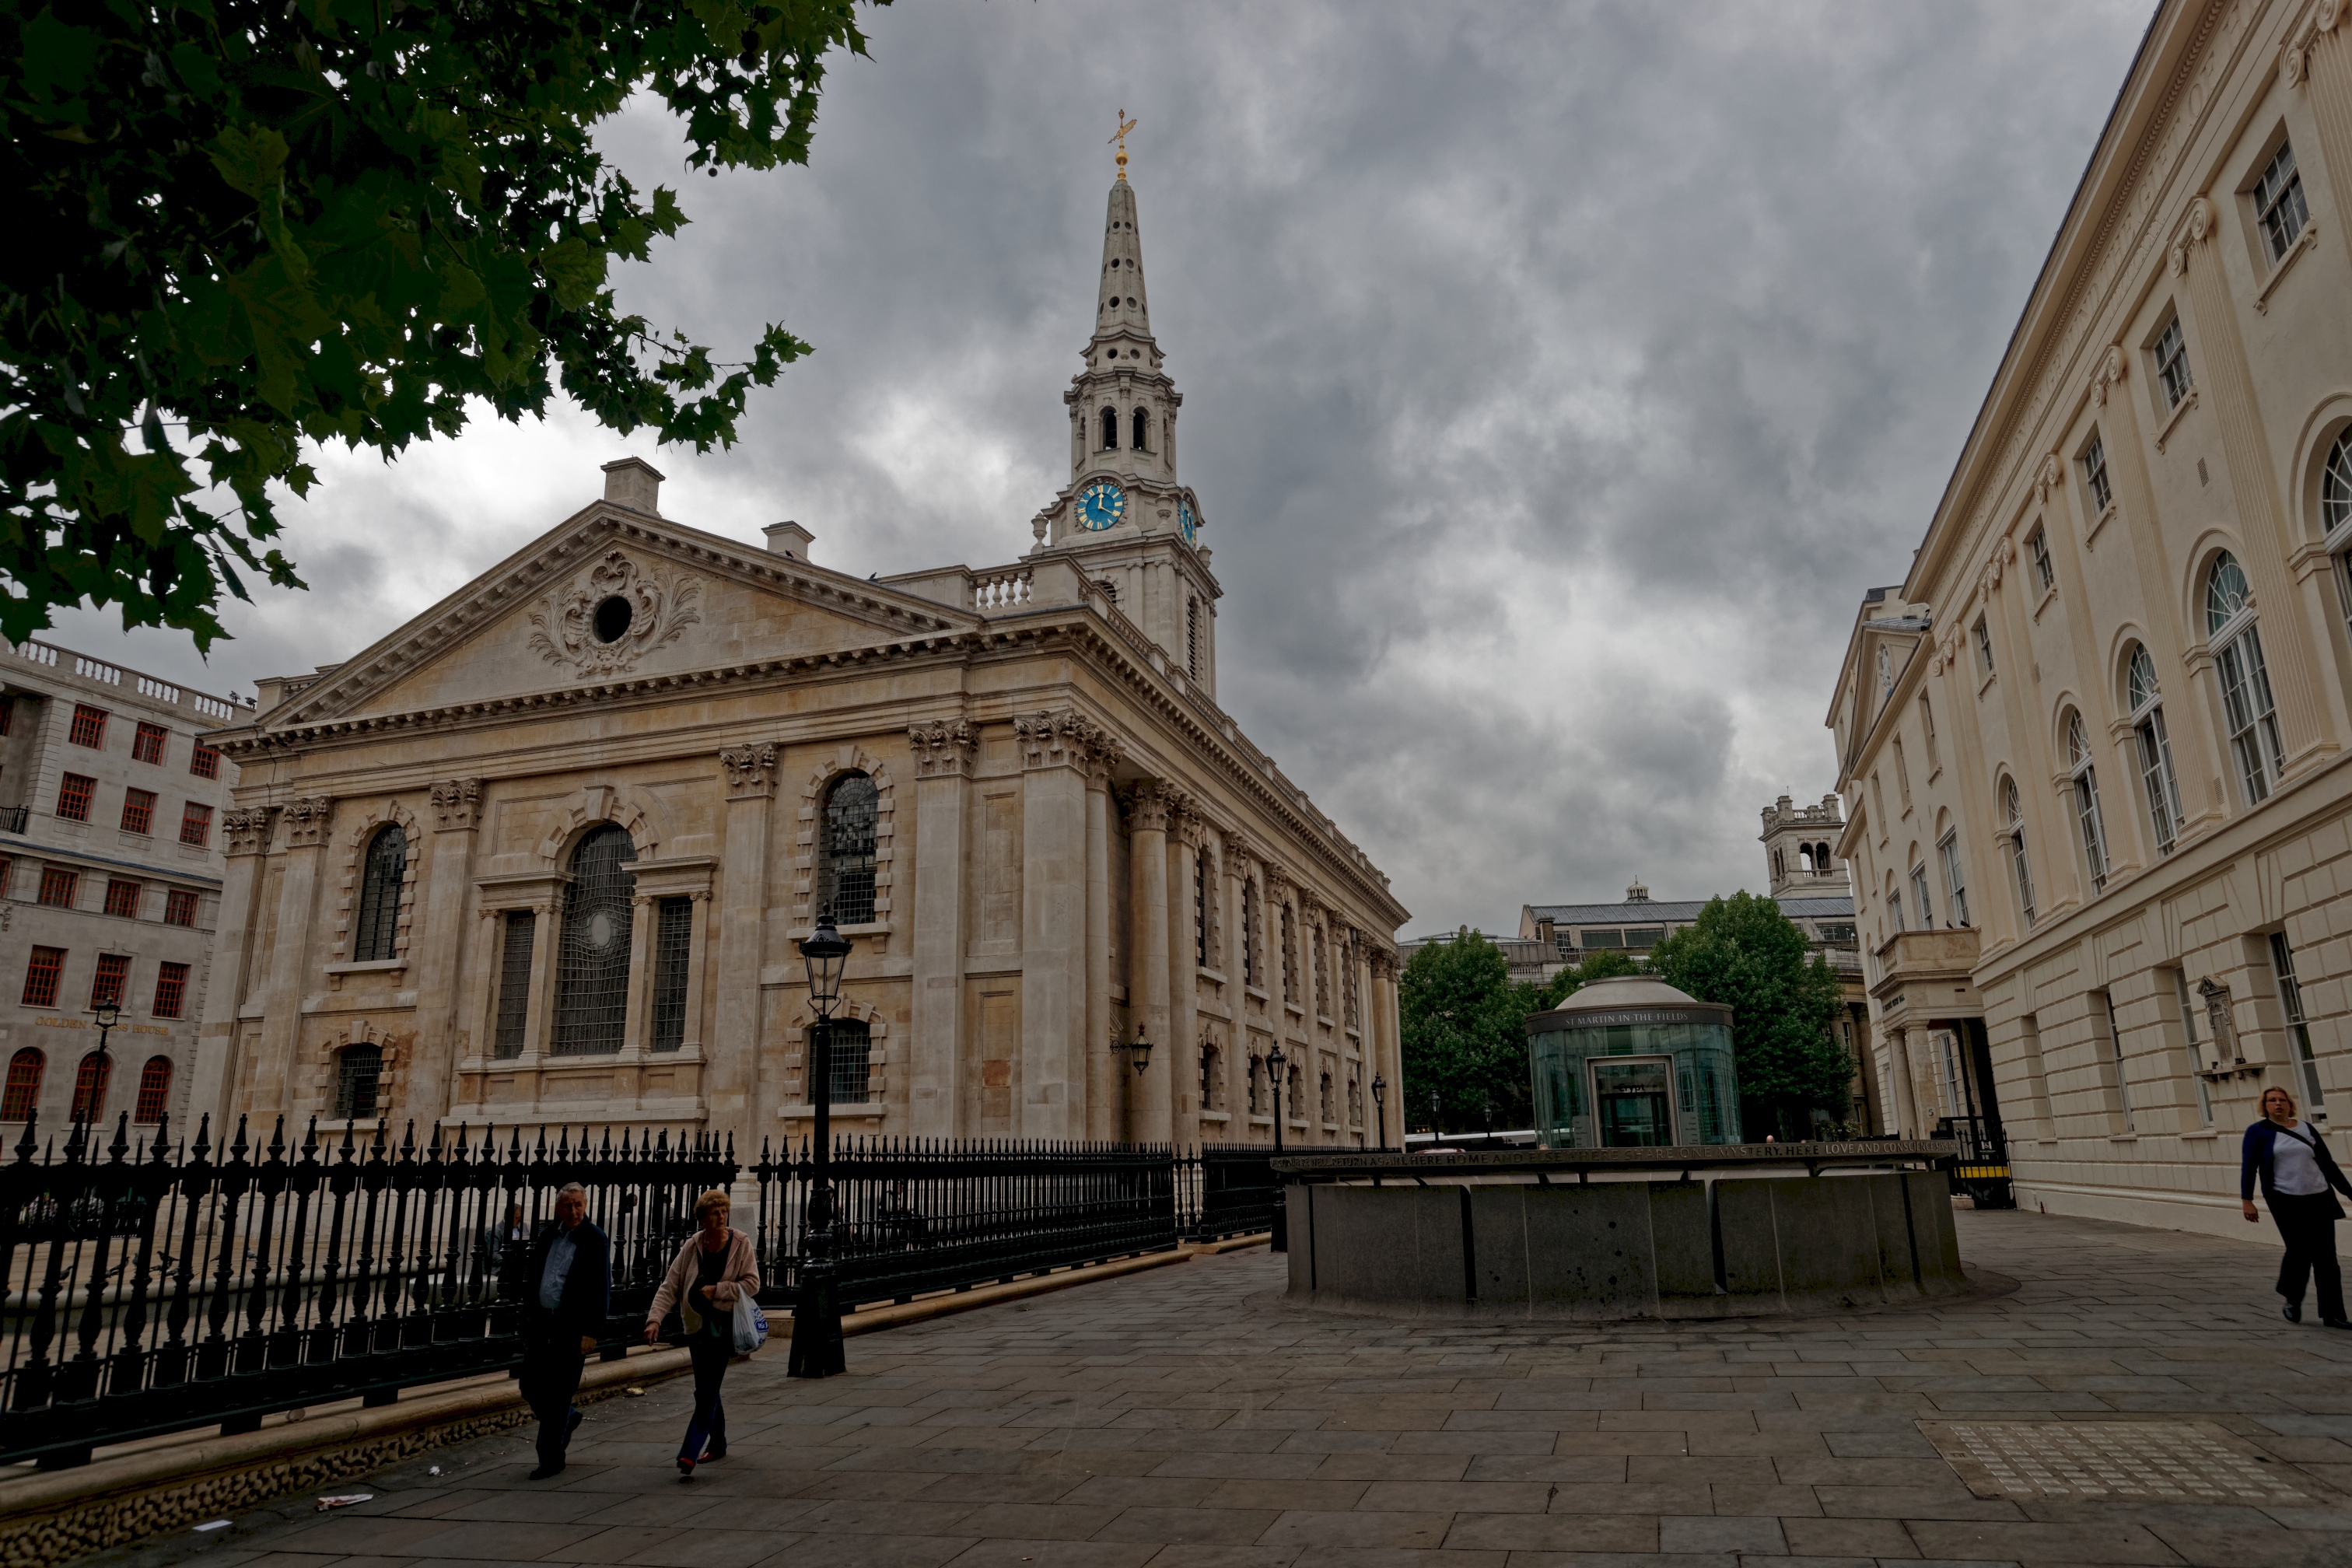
(2182, 1461)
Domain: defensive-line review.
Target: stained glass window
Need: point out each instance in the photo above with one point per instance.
(592, 987)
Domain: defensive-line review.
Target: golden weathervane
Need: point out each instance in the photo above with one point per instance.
(1125, 125)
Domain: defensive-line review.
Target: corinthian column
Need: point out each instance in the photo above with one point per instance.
(943, 753)
(1054, 748)
(730, 1065)
(1148, 983)
(1100, 1064)
(305, 819)
(1185, 843)
(2319, 60)
(244, 833)
(439, 940)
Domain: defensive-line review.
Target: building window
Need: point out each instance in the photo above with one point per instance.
(1322, 978)
(1208, 1078)
(2012, 811)
(1139, 436)
(2245, 680)
(24, 1091)
(154, 1092)
(1110, 430)
(2196, 1054)
(42, 974)
(74, 793)
(89, 1086)
(138, 810)
(2158, 780)
(1201, 882)
(1927, 734)
(673, 947)
(592, 995)
(171, 989)
(1350, 1009)
(1324, 1100)
(2037, 550)
(1919, 896)
(147, 745)
(1895, 909)
(7, 867)
(1984, 646)
(2278, 203)
(1256, 1067)
(179, 908)
(385, 871)
(2103, 1013)
(110, 979)
(2095, 475)
(1902, 774)
(122, 898)
(1956, 884)
(1289, 981)
(60, 886)
(514, 983)
(2298, 1030)
(196, 824)
(2335, 515)
(846, 848)
(1355, 1100)
(2086, 801)
(849, 1052)
(1249, 972)
(2172, 363)
(1878, 804)
(88, 727)
(358, 1069)
(205, 763)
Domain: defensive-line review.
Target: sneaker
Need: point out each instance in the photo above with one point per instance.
(685, 1469)
(2292, 1311)
(712, 1455)
(548, 1472)
(2338, 1322)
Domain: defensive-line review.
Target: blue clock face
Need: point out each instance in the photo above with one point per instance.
(1101, 504)
(1186, 524)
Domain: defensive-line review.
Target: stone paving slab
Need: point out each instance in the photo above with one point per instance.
(1187, 1419)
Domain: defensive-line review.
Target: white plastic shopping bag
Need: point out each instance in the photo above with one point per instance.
(750, 1325)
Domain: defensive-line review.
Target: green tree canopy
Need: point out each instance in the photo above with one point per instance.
(1743, 952)
(243, 225)
(1463, 1034)
(1598, 963)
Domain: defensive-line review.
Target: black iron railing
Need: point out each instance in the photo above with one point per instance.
(153, 1287)
(1980, 1168)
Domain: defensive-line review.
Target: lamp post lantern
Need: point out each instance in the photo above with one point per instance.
(1280, 1241)
(106, 1014)
(1380, 1108)
(817, 1318)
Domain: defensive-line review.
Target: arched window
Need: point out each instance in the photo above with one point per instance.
(1249, 972)
(358, 1070)
(385, 870)
(154, 1091)
(2245, 678)
(1110, 430)
(1141, 431)
(2086, 801)
(2012, 813)
(846, 848)
(1776, 871)
(2157, 778)
(1322, 980)
(591, 952)
(1324, 1102)
(24, 1091)
(89, 1086)
(2335, 514)
(849, 1056)
(1822, 858)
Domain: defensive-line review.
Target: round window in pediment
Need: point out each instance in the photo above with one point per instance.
(613, 617)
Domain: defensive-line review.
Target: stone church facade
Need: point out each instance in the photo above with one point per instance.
(541, 854)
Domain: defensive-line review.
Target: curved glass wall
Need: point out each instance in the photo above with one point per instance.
(1631, 1080)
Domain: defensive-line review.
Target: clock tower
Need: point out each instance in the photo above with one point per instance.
(1124, 520)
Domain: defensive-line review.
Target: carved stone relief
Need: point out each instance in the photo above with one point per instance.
(613, 615)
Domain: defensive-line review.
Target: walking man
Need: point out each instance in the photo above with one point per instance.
(564, 1315)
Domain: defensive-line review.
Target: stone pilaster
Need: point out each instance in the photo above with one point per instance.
(304, 819)
(2317, 62)
(1100, 1064)
(245, 836)
(439, 940)
(1187, 834)
(1147, 983)
(1053, 751)
(730, 1073)
(943, 754)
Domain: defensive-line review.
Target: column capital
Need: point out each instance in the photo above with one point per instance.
(2197, 226)
(1063, 738)
(248, 831)
(457, 804)
(306, 820)
(1153, 804)
(750, 770)
(2109, 374)
(943, 748)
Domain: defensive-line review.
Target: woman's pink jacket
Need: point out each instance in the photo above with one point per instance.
(741, 1277)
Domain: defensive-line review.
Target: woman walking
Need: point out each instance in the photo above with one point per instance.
(2292, 1161)
(711, 1272)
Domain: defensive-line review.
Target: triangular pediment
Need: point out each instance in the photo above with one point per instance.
(612, 595)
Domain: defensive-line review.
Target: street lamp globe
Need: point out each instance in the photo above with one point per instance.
(823, 951)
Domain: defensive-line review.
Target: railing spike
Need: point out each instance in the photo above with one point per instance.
(161, 1150)
(122, 1144)
(28, 1142)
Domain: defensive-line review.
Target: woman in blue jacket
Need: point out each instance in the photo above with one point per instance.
(2292, 1161)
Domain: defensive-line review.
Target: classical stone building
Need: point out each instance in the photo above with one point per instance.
(2096, 748)
(542, 854)
(110, 882)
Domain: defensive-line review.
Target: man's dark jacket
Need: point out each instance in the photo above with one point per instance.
(2254, 1158)
(581, 1309)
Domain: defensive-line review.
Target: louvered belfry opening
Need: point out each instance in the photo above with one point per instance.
(592, 985)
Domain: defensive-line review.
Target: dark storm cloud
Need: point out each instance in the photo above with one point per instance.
(1556, 377)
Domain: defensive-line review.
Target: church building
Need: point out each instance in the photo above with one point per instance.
(540, 856)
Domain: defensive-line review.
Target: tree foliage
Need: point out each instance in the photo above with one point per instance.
(243, 225)
(1462, 1034)
(1743, 952)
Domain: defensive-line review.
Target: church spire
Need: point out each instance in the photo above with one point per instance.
(1124, 306)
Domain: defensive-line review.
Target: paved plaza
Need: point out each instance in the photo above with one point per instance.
(1184, 1418)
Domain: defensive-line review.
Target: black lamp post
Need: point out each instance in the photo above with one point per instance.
(106, 1014)
(817, 1318)
(1281, 1239)
(1380, 1108)
(1436, 1133)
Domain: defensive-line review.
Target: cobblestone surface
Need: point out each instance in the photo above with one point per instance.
(1184, 1418)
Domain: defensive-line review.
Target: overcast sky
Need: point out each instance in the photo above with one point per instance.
(1557, 376)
